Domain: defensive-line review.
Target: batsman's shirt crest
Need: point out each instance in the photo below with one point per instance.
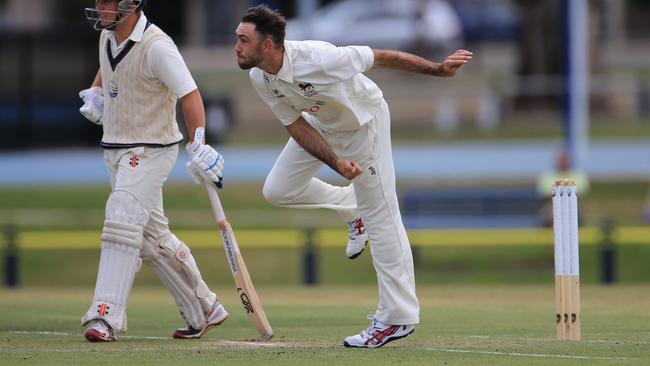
(112, 89)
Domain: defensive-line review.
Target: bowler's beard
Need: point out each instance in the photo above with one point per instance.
(250, 63)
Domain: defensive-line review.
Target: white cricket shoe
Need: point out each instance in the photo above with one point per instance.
(99, 331)
(357, 238)
(378, 334)
(215, 317)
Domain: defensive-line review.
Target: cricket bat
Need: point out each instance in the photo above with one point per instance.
(243, 282)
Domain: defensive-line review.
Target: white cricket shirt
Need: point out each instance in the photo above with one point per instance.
(163, 60)
(323, 83)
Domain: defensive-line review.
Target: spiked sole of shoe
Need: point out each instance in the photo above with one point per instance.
(348, 345)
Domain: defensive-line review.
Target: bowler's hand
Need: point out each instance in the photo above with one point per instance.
(348, 169)
(453, 62)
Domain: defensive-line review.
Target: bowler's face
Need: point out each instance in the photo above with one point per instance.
(248, 47)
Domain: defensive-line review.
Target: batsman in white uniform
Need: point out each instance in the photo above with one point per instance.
(134, 97)
(338, 117)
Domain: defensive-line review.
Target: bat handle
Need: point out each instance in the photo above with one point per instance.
(219, 214)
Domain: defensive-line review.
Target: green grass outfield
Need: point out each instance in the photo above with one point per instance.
(486, 295)
(460, 325)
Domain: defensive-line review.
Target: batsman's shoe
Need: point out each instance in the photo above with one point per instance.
(99, 331)
(378, 334)
(357, 238)
(216, 316)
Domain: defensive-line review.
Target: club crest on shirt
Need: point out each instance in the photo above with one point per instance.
(112, 89)
(307, 89)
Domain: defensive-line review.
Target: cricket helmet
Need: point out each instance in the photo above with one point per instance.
(124, 9)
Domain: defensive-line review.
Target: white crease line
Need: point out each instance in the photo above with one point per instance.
(225, 342)
(63, 334)
(549, 339)
(281, 345)
(616, 342)
(40, 333)
(256, 344)
(524, 354)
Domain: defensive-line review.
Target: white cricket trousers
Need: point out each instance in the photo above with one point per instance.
(291, 183)
(142, 171)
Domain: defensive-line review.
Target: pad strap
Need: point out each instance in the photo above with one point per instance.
(123, 233)
(174, 264)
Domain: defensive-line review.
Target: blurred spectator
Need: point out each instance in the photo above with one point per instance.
(547, 179)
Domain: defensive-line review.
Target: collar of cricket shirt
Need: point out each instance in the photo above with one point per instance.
(286, 71)
(140, 27)
(136, 34)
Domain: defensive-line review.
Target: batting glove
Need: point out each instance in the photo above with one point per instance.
(93, 104)
(205, 162)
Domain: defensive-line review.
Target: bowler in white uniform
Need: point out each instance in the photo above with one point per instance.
(338, 117)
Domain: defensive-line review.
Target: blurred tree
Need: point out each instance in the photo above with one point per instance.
(168, 15)
(637, 16)
(216, 21)
(639, 4)
(70, 15)
(286, 7)
(541, 52)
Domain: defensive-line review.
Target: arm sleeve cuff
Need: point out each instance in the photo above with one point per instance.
(367, 56)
